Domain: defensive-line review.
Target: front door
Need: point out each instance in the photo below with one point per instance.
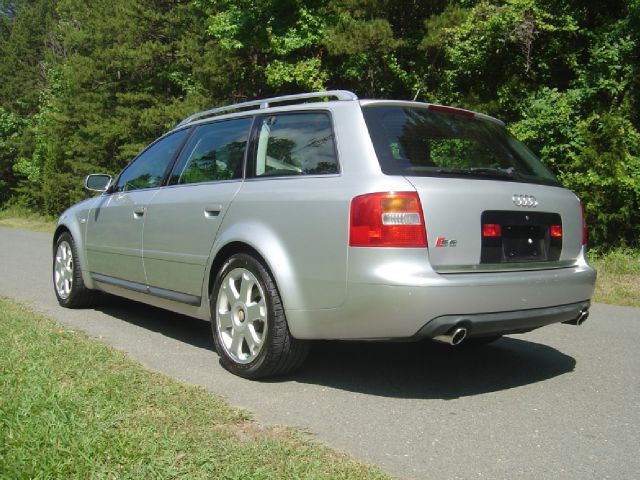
(115, 223)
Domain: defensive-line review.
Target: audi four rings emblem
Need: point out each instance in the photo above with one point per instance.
(525, 200)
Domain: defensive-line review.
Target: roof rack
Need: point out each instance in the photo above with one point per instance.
(265, 103)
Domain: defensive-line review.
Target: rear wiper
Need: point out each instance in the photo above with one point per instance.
(481, 172)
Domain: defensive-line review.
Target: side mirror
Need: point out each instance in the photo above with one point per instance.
(97, 182)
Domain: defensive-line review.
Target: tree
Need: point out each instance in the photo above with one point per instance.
(565, 74)
(86, 85)
(119, 78)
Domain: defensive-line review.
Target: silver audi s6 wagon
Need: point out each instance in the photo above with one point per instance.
(322, 216)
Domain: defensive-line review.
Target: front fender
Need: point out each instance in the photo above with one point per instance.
(74, 220)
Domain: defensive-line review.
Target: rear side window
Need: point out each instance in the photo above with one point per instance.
(295, 144)
(214, 152)
(428, 142)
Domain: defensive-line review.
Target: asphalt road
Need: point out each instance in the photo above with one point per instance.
(560, 402)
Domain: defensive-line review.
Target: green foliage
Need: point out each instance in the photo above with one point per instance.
(11, 128)
(566, 75)
(588, 134)
(618, 276)
(606, 172)
(109, 94)
(371, 46)
(23, 218)
(275, 46)
(23, 46)
(366, 47)
(494, 53)
(86, 85)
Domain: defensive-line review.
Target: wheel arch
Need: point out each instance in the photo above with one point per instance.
(73, 229)
(226, 252)
(282, 352)
(263, 244)
(60, 229)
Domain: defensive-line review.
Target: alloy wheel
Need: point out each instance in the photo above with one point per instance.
(241, 315)
(63, 270)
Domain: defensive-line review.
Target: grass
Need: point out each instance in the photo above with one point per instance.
(618, 277)
(24, 219)
(72, 407)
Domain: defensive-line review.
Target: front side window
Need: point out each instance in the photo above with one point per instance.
(214, 152)
(432, 142)
(148, 170)
(295, 144)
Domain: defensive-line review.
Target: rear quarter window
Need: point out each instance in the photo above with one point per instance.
(295, 144)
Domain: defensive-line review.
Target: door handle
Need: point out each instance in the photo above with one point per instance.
(212, 211)
(138, 212)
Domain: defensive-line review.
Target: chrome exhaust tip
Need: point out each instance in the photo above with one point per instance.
(584, 314)
(580, 319)
(454, 337)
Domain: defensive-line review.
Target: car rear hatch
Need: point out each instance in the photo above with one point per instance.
(478, 226)
(488, 203)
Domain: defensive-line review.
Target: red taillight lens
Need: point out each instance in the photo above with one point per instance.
(392, 219)
(584, 225)
(555, 231)
(491, 230)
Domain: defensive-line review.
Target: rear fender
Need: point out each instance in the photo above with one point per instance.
(270, 248)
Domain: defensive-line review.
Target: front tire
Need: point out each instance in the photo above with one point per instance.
(248, 322)
(67, 275)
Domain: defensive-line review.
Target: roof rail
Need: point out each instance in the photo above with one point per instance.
(265, 103)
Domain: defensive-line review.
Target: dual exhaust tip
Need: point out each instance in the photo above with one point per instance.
(457, 334)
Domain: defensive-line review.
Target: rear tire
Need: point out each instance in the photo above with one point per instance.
(67, 276)
(248, 322)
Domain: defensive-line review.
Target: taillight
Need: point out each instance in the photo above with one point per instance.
(491, 230)
(555, 231)
(584, 225)
(392, 219)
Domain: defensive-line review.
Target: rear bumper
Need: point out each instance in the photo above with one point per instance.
(501, 323)
(404, 298)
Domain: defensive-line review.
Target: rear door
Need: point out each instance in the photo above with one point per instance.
(183, 218)
(115, 223)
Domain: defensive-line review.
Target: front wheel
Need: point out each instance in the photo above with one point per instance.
(249, 326)
(67, 276)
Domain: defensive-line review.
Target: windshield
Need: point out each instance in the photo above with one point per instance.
(413, 141)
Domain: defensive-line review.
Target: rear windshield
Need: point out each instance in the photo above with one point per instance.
(413, 141)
